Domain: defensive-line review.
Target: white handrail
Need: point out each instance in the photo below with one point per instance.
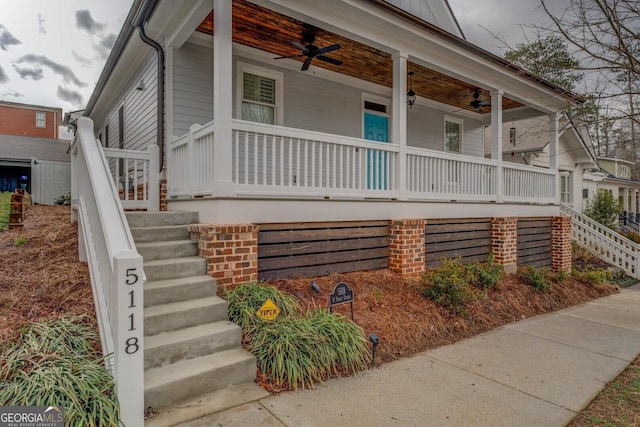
(116, 270)
(604, 242)
(137, 175)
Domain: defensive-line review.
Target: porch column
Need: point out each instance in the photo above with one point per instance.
(222, 97)
(553, 150)
(399, 125)
(496, 141)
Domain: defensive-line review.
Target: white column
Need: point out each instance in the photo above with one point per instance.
(625, 200)
(553, 150)
(496, 140)
(399, 123)
(222, 97)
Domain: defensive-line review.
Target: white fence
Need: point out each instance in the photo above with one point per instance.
(49, 180)
(105, 243)
(274, 161)
(603, 242)
(137, 176)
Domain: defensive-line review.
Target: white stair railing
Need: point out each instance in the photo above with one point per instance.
(115, 267)
(604, 242)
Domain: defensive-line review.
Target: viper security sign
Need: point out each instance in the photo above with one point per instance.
(268, 310)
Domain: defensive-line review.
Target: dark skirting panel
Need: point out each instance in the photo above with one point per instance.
(534, 242)
(469, 239)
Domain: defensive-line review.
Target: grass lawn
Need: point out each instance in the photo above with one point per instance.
(5, 204)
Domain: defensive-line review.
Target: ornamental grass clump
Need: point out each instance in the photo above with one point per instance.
(245, 299)
(301, 351)
(56, 363)
(296, 350)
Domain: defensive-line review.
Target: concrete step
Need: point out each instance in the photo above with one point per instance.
(154, 219)
(180, 381)
(167, 249)
(160, 233)
(208, 404)
(180, 289)
(171, 268)
(182, 344)
(184, 314)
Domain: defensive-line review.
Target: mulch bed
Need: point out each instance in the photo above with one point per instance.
(40, 276)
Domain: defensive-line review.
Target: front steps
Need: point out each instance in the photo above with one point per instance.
(191, 349)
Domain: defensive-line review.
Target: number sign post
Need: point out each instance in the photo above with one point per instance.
(129, 361)
(341, 294)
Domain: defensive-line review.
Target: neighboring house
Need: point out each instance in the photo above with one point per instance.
(619, 183)
(526, 142)
(32, 157)
(29, 120)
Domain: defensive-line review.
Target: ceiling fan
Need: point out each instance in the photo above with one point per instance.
(477, 104)
(311, 51)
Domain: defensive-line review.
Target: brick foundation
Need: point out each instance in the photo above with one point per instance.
(163, 194)
(231, 251)
(407, 247)
(504, 242)
(561, 243)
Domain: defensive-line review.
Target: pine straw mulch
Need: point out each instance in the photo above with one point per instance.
(407, 323)
(41, 279)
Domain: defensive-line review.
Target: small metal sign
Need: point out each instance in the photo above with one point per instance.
(268, 311)
(341, 294)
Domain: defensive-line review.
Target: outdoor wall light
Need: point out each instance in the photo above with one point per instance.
(315, 287)
(141, 85)
(374, 341)
(411, 95)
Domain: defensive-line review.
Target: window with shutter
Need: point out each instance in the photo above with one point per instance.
(258, 98)
(452, 135)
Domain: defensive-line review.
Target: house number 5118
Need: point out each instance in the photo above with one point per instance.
(131, 343)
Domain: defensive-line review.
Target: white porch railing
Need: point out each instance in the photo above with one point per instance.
(137, 176)
(274, 161)
(603, 242)
(105, 243)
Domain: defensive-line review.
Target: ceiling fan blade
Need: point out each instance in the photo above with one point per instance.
(299, 46)
(329, 49)
(329, 60)
(306, 64)
(290, 56)
(485, 103)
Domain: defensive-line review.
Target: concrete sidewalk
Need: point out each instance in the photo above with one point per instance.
(537, 372)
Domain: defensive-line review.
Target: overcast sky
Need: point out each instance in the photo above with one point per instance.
(52, 51)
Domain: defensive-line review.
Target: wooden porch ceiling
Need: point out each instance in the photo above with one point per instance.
(273, 32)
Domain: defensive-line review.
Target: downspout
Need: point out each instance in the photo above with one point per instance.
(141, 18)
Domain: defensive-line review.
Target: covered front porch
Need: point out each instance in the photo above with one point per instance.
(309, 135)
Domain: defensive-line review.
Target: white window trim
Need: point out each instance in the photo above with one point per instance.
(278, 76)
(460, 123)
(376, 100)
(567, 176)
(44, 119)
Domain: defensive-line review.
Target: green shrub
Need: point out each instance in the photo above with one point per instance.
(55, 363)
(485, 275)
(536, 277)
(63, 199)
(5, 206)
(604, 209)
(245, 300)
(300, 351)
(449, 285)
(592, 276)
(634, 237)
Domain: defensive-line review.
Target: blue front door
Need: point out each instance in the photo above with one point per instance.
(376, 128)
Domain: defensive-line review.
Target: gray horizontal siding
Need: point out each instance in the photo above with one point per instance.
(192, 87)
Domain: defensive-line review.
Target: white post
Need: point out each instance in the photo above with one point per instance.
(129, 353)
(154, 178)
(496, 141)
(400, 119)
(553, 151)
(222, 97)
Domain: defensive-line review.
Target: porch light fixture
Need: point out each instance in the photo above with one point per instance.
(411, 95)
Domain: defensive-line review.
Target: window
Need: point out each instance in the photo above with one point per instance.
(41, 119)
(565, 187)
(261, 95)
(452, 135)
(585, 193)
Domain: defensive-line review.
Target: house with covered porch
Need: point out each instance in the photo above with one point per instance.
(308, 138)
